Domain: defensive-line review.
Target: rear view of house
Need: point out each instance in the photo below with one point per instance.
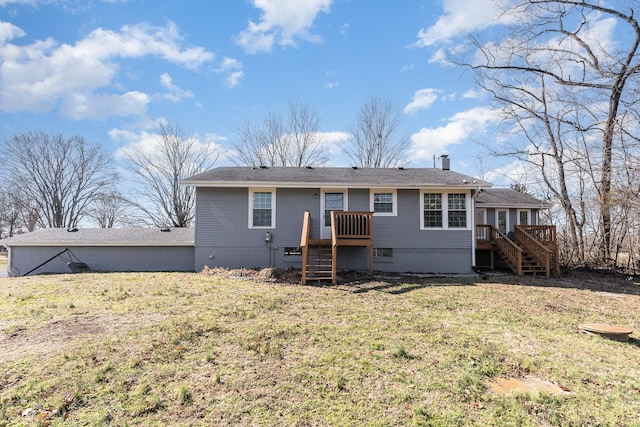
(415, 219)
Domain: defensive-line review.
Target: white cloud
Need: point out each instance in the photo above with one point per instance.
(8, 31)
(147, 141)
(473, 94)
(422, 100)
(233, 70)
(434, 141)
(45, 75)
(233, 79)
(462, 16)
(90, 106)
(176, 94)
(282, 22)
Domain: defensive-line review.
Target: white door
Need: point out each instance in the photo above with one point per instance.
(332, 200)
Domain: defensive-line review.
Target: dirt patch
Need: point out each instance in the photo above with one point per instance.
(279, 275)
(60, 335)
(528, 384)
(605, 283)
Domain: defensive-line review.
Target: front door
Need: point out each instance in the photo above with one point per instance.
(332, 200)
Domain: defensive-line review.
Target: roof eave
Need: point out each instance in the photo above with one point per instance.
(280, 184)
(99, 244)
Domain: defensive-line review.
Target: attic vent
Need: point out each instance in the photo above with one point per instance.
(263, 167)
(309, 167)
(165, 230)
(400, 168)
(354, 167)
(71, 230)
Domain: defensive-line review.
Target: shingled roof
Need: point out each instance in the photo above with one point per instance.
(506, 197)
(104, 237)
(333, 177)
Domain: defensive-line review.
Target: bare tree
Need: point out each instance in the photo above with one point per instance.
(375, 141)
(11, 218)
(59, 177)
(277, 141)
(110, 210)
(567, 89)
(161, 198)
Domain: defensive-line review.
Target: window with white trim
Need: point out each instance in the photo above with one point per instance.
(384, 202)
(432, 210)
(444, 210)
(457, 210)
(262, 208)
(502, 220)
(523, 217)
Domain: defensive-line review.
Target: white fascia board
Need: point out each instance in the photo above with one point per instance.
(272, 184)
(98, 244)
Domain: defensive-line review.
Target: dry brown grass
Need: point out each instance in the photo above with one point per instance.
(193, 349)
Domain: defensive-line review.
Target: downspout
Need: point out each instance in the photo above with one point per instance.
(474, 239)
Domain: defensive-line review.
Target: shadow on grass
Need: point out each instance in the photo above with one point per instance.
(359, 282)
(609, 283)
(634, 342)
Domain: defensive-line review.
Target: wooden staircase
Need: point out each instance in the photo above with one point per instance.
(532, 251)
(319, 256)
(318, 265)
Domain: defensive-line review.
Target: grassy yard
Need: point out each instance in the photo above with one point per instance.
(189, 349)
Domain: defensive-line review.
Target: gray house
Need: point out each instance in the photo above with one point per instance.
(505, 208)
(102, 249)
(319, 220)
(400, 220)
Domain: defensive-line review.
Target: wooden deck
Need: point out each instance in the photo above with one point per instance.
(319, 256)
(533, 249)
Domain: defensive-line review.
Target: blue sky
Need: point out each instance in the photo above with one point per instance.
(110, 70)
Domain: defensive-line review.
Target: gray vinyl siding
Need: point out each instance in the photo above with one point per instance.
(102, 258)
(513, 216)
(491, 216)
(223, 237)
(222, 217)
(403, 230)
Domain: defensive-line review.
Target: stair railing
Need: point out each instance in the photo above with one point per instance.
(304, 244)
(548, 236)
(539, 252)
(511, 251)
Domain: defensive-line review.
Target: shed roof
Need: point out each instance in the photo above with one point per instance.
(333, 177)
(104, 237)
(506, 197)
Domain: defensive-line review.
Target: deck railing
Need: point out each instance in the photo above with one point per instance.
(539, 252)
(545, 234)
(350, 228)
(483, 234)
(352, 225)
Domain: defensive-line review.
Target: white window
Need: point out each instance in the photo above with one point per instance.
(432, 210)
(444, 210)
(457, 214)
(502, 220)
(523, 217)
(384, 202)
(262, 208)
